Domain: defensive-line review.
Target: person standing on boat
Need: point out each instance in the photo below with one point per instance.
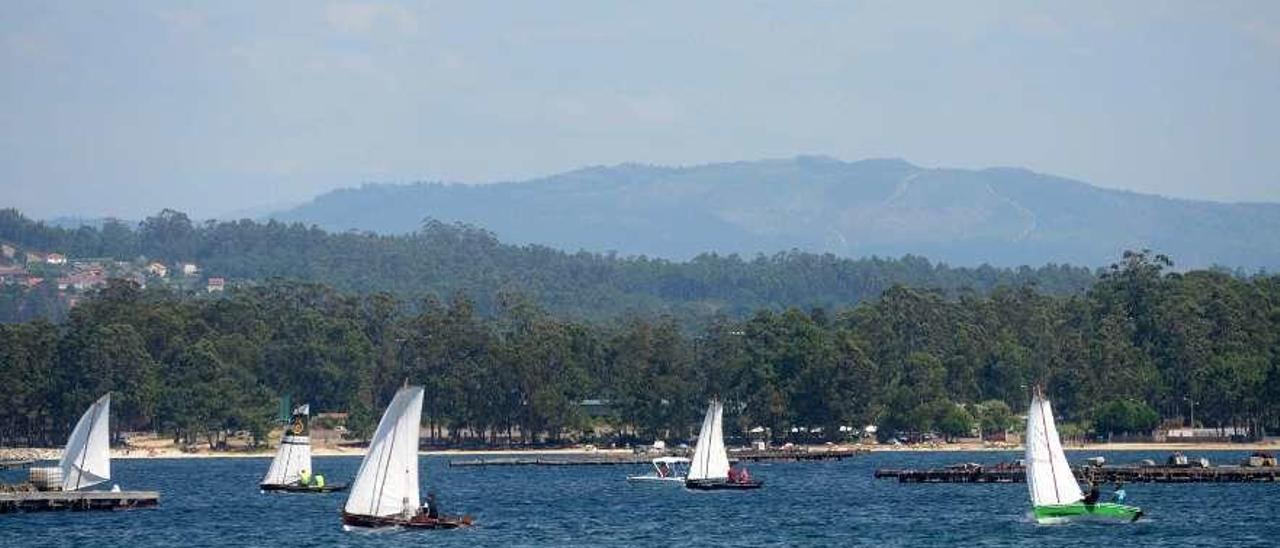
(1095, 493)
(433, 510)
(304, 477)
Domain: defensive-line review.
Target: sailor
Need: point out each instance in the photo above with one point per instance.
(304, 477)
(744, 476)
(1119, 494)
(1094, 494)
(433, 511)
(319, 480)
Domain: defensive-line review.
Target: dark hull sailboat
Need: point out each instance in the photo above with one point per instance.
(268, 487)
(289, 469)
(723, 485)
(709, 469)
(385, 491)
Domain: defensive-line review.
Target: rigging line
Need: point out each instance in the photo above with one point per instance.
(706, 455)
(385, 469)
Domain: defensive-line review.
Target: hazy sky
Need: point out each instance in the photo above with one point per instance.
(213, 107)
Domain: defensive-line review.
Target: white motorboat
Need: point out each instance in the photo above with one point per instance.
(673, 469)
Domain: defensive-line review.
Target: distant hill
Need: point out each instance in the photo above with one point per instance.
(999, 216)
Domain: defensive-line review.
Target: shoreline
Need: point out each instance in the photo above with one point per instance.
(18, 453)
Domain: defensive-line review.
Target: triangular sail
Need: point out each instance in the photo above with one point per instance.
(1049, 477)
(387, 483)
(710, 460)
(86, 461)
(294, 454)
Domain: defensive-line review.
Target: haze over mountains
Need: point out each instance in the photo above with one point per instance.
(999, 216)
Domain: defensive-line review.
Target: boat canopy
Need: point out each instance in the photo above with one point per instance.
(710, 460)
(387, 483)
(671, 460)
(1049, 476)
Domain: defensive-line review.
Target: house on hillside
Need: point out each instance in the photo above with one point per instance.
(158, 269)
(13, 274)
(188, 269)
(8, 251)
(34, 257)
(216, 284)
(82, 281)
(55, 259)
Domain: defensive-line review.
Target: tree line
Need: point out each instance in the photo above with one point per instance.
(446, 259)
(1140, 346)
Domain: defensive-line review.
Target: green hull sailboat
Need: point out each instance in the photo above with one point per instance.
(1050, 513)
(1055, 495)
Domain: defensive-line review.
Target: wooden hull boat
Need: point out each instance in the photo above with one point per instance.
(303, 488)
(723, 485)
(384, 493)
(420, 521)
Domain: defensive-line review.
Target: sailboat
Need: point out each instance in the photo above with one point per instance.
(1055, 495)
(86, 461)
(291, 468)
(709, 467)
(385, 491)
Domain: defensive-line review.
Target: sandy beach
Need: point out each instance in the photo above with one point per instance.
(172, 452)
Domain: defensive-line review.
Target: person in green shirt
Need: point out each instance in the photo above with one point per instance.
(304, 478)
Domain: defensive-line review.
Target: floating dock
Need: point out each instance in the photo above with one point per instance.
(42, 501)
(1104, 474)
(589, 460)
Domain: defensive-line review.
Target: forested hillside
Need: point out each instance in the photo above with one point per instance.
(442, 259)
(998, 216)
(1139, 345)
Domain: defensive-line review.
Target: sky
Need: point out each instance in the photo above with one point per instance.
(229, 107)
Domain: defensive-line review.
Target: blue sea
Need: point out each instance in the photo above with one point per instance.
(215, 502)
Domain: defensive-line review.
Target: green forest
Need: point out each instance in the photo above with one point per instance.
(442, 260)
(1142, 344)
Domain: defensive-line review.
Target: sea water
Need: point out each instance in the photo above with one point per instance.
(216, 502)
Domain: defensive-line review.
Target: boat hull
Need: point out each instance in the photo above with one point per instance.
(723, 485)
(1106, 511)
(267, 487)
(420, 521)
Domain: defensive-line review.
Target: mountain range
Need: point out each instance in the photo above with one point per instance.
(883, 207)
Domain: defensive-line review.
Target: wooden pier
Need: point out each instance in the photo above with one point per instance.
(604, 460)
(1103, 474)
(41, 501)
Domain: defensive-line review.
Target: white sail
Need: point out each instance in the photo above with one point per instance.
(387, 483)
(1049, 477)
(294, 454)
(710, 460)
(87, 459)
